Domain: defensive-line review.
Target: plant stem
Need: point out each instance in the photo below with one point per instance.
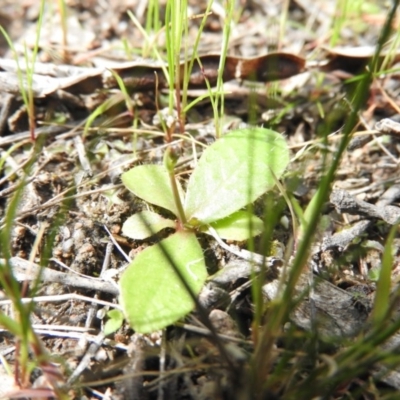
(62, 9)
(177, 198)
(224, 51)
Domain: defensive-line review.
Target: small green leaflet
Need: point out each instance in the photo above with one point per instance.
(240, 225)
(233, 172)
(142, 225)
(152, 183)
(114, 322)
(152, 295)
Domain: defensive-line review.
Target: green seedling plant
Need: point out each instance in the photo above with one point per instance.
(160, 284)
(25, 76)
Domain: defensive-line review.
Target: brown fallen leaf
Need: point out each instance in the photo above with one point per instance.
(266, 68)
(353, 59)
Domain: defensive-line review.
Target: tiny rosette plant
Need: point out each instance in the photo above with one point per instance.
(158, 287)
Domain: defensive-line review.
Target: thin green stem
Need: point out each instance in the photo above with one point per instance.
(62, 9)
(170, 160)
(177, 198)
(221, 67)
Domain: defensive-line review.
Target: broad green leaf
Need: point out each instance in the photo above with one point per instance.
(116, 318)
(152, 295)
(240, 225)
(233, 172)
(145, 224)
(152, 183)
